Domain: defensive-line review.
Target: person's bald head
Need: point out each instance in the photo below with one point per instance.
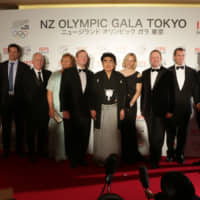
(38, 61)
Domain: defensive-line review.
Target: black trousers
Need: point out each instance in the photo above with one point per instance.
(180, 130)
(77, 138)
(13, 111)
(37, 128)
(129, 139)
(156, 126)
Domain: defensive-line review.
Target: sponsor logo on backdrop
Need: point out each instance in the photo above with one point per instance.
(198, 27)
(5, 51)
(27, 51)
(113, 26)
(20, 29)
(44, 50)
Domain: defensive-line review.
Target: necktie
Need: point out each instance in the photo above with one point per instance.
(40, 77)
(10, 77)
(155, 70)
(179, 67)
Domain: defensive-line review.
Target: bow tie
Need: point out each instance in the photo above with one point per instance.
(155, 70)
(179, 67)
(81, 70)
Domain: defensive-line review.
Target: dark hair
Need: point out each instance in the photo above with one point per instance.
(175, 185)
(178, 49)
(108, 54)
(156, 51)
(110, 196)
(15, 46)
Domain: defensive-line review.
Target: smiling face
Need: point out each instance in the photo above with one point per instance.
(38, 61)
(108, 64)
(130, 62)
(82, 59)
(13, 53)
(66, 62)
(179, 57)
(155, 59)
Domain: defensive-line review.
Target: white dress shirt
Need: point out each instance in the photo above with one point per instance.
(83, 78)
(154, 76)
(37, 75)
(180, 75)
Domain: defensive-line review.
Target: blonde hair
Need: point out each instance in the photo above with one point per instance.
(126, 57)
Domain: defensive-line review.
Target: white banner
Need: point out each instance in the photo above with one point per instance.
(119, 30)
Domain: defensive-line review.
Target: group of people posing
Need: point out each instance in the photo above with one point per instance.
(58, 107)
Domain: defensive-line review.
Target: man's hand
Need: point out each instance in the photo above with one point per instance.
(93, 114)
(66, 114)
(149, 194)
(122, 114)
(168, 115)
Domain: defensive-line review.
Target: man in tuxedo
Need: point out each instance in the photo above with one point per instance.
(76, 98)
(185, 87)
(12, 99)
(37, 106)
(157, 104)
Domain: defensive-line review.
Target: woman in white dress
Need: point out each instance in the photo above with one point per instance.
(57, 144)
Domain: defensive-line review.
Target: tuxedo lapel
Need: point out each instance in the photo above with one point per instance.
(35, 78)
(77, 78)
(160, 73)
(148, 78)
(186, 77)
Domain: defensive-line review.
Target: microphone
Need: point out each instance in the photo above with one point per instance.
(144, 178)
(111, 164)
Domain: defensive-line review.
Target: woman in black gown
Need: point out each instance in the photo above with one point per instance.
(130, 153)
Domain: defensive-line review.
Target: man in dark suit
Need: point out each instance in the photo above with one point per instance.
(157, 104)
(12, 99)
(76, 96)
(37, 106)
(185, 87)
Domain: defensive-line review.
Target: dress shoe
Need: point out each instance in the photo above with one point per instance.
(84, 163)
(73, 165)
(5, 155)
(180, 159)
(169, 158)
(155, 166)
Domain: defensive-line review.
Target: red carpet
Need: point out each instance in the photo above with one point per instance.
(47, 179)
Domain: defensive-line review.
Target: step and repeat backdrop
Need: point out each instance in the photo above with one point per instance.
(120, 30)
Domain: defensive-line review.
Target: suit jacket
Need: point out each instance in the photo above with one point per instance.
(36, 95)
(72, 98)
(160, 99)
(18, 87)
(120, 85)
(183, 104)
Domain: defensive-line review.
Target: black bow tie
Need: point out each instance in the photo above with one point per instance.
(155, 70)
(81, 70)
(179, 67)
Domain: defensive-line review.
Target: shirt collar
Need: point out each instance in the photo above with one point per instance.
(15, 62)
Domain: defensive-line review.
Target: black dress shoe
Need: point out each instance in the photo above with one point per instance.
(83, 163)
(196, 163)
(73, 165)
(155, 166)
(169, 158)
(5, 155)
(180, 159)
